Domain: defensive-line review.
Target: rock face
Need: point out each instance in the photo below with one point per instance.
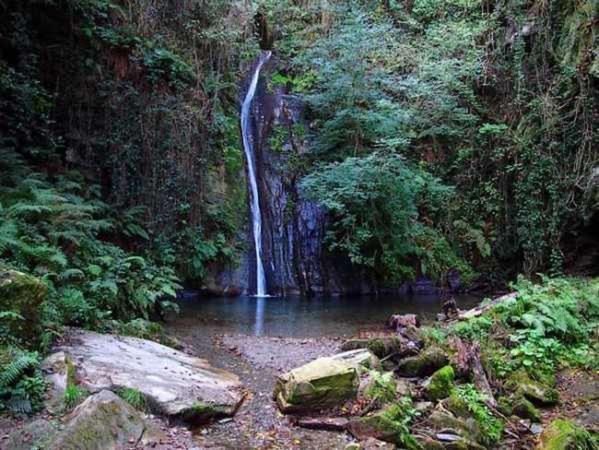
(322, 383)
(173, 383)
(22, 294)
(102, 422)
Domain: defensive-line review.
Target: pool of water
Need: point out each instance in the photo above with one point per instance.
(302, 317)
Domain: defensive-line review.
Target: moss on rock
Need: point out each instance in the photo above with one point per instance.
(389, 425)
(441, 384)
(23, 295)
(523, 408)
(539, 393)
(322, 383)
(564, 435)
(423, 364)
(201, 412)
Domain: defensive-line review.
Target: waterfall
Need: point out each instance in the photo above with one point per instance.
(250, 156)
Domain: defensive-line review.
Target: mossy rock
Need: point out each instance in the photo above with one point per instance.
(441, 384)
(322, 383)
(380, 386)
(423, 364)
(201, 412)
(537, 392)
(36, 434)
(466, 427)
(524, 409)
(23, 295)
(385, 425)
(565, 435)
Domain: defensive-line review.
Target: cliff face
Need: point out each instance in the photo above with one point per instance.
(294, 249)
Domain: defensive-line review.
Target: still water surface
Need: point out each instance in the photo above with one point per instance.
(301, 317)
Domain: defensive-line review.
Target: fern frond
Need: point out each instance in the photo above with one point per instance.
(20, 364)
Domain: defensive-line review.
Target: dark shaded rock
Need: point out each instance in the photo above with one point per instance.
(523, 408)
(453, 280)
(423, 364)
(323, 423)
(381, 347)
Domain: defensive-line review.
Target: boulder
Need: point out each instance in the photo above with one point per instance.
(102, 422)
(565, 435)
(23, 295)
(467, 428)
(423, 364)
(386, 425)
(440, 384)
(173, 383)
(36, 434)
(539, 394)
(323, 383)
(360, 359)
(524, 409)
(381, 347)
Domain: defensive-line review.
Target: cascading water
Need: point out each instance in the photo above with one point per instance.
(249, 154)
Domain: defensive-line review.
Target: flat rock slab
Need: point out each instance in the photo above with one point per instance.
(174, 384)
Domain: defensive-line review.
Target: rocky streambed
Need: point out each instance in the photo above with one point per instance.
(398, 387)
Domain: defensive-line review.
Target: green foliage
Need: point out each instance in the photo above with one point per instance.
(382, 387)
(466, 396)
(400, 415)
(73, 395)
(376, 202)
(22, 387)
(134, 397)
(548, 325)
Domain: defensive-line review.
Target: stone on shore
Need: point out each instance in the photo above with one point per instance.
(323, 383)
(173, 383)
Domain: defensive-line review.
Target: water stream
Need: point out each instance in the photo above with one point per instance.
(261, 289)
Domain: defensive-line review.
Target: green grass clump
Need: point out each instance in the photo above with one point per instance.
(134, 397)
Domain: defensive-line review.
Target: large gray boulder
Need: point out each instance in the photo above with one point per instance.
(173, 383)
(323, 383)
(102, 422)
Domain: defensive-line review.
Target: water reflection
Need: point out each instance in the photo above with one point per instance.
(300, 317)
(259, 328)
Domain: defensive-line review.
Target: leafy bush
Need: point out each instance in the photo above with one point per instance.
(545, 326)
(376, 203)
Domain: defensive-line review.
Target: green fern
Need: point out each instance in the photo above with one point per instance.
(20, 364)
